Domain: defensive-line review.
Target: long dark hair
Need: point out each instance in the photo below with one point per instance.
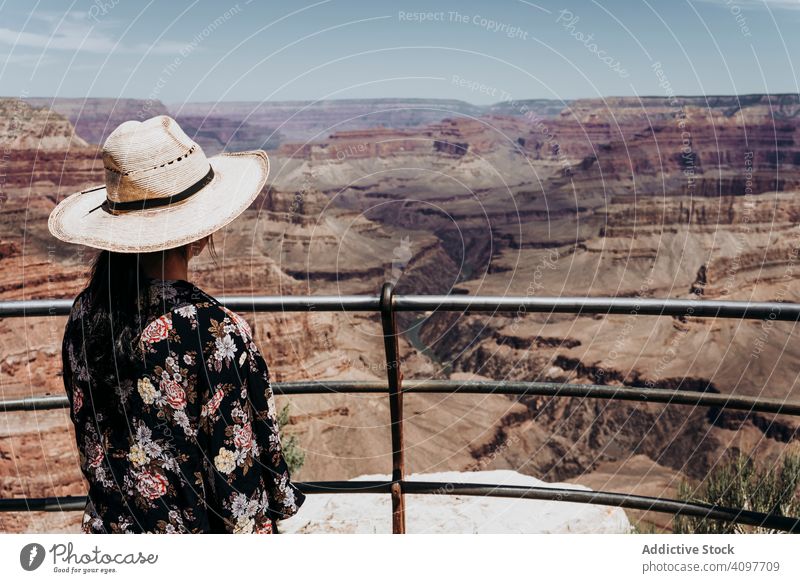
(115, 286)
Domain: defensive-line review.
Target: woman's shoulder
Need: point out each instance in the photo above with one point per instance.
(206, 308)
(193, 309)
(80, 305)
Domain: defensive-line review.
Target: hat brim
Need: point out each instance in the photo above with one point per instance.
(238, 179)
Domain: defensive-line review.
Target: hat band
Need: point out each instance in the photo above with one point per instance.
(146, 203)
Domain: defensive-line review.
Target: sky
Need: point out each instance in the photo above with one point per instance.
(481, 52)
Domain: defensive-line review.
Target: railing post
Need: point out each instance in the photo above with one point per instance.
(395, 378)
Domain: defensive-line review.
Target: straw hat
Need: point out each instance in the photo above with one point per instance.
(160, 192)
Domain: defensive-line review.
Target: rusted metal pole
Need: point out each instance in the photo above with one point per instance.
(395, 378)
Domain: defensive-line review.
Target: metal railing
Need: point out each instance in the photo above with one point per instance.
(387, 304)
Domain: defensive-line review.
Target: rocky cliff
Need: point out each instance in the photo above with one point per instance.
(611, 198)
(615, 197)
(95, 118)
(24, 127)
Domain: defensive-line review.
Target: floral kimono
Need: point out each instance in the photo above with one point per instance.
(189, 444)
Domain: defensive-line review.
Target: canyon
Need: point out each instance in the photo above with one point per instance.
(692, 198)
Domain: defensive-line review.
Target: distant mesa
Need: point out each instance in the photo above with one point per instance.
(245, 125)
(95, 119)
(27, 127)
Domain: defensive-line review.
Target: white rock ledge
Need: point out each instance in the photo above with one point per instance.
(432, 513)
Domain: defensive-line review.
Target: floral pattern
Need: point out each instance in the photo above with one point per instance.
(191, 444)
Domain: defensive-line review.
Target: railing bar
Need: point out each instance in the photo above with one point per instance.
(48, 504)
(641, 394)
(38, 403)
(387, 303)
(593, 497)
(19, 308)
(602, 498)
(303, 303)
(515, 388)
(520, 304)
(601, 305)
(345, 487)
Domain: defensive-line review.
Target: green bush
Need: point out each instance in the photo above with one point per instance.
(741, 483)
(292, 452)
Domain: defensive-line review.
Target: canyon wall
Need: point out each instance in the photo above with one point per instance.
(613, 197)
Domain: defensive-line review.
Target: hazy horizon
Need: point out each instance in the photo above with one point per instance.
(396, 98)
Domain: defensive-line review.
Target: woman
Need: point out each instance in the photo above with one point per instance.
(170, 397)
